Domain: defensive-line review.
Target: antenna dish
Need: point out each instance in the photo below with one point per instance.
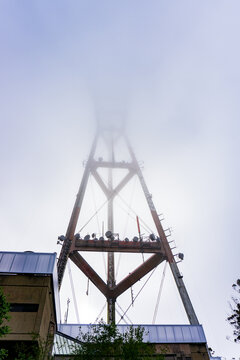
(181, 256)
(108, 234)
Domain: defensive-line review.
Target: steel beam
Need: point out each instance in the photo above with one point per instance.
(137, 274)
(112, 165)
(83, 265)
(100, 182)
(123, 182)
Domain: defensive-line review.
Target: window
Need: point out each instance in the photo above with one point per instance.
(23, 307)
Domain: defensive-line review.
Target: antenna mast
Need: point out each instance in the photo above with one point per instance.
(160, 248)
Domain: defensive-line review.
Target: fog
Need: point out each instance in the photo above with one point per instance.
(167, 70)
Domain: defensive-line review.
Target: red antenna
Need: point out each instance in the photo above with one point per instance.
(139, 231)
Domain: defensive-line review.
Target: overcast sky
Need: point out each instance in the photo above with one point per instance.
(170, 71)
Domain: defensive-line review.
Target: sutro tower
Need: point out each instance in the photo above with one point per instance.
(159, 246)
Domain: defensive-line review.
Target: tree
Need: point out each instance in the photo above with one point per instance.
(4, 329)
(103, 341)
(234, 318)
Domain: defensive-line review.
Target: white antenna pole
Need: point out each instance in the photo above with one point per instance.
(73, 293)
(66, 313)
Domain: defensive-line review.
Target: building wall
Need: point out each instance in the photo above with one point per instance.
(183, 351)
(39, 319)
(170, 351)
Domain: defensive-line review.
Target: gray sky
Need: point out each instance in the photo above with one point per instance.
(170, 70)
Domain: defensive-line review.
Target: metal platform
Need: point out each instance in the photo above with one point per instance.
(118, 246)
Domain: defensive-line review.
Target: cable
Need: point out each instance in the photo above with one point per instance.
(159, 293)
(137, 294)
(94, 202)
(98, 224)
(123, 312)
(126, 224)
(121, 316)
(146, 227)
(100, 313)
(93, 215)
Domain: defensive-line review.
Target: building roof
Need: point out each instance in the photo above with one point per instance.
(153, 333)
(63, 345)
(27, 262)
(156, 334)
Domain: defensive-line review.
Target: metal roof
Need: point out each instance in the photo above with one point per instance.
(62, 345)
(27, 262)
(153, 333)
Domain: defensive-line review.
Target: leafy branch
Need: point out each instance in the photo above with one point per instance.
(234, 318)
(105, 341)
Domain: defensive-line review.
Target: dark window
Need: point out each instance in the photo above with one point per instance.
(24, 307)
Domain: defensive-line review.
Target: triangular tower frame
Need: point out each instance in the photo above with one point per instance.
(161, 250)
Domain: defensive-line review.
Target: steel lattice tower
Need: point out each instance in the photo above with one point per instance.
(72, 243)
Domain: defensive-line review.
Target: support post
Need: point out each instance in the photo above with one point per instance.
(111, 269)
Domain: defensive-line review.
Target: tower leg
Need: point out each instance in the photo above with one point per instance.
(111, 269)
(111, 310)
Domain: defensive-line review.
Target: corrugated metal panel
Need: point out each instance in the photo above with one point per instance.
(27, 262)
(153, 333)
(62, 345)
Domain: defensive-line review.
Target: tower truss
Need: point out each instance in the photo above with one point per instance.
(73, 244)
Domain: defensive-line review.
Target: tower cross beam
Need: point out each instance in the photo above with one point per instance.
(83, 265)
(137, 274)
(112, 164)
(108, 191)
(100, 182)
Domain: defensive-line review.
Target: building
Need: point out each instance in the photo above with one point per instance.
(178, 342)
(29, 281)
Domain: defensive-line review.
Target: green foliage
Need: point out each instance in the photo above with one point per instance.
(104, 341)
(26, 351)
(4, 310)
(3, 354)
(4, 329)
(37, 349)
(234, 318)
